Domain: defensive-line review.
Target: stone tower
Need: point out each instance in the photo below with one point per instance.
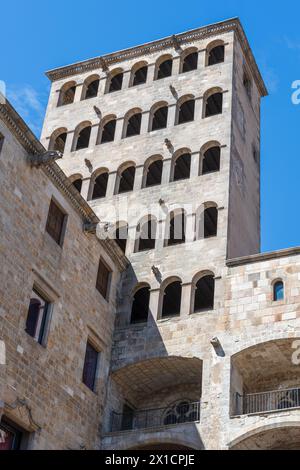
(163, 141)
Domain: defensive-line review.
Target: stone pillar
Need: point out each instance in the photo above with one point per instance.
(185, 300)
(195, 164)
(131, 240)
(166, 173)
(161, 225)
(176, 65)
(138, 180)
(78, 92)
(190, 228)
(102, 86)
(154, 303)
(145, 122)
(86, 189)
(119, 129)
(198, 108)
(126, 79)
(150, 73)
(171, 115)
(69, 142)
(111, 184)
(202, 59)
(94, 134)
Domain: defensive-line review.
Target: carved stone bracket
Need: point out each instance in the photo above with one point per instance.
(45, 158)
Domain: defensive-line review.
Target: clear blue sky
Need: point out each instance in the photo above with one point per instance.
(37, 36)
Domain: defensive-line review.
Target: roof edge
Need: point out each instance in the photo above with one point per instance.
(259, 257)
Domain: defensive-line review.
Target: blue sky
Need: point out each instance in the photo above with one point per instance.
(37, 36)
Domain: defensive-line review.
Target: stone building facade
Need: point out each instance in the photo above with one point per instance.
(44, 403)
(162, 141)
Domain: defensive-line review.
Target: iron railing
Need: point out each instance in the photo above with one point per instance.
(143, 419)
(277, 400)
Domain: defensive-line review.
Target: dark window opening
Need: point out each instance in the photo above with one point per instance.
(100, 186)
(140, 76)
(247, 85)
(60, 142)
(216, 55)
(1, 141)
(182, 167)
(67, 96)
(127, 180)
(134, 125)
(154, 173)
(108, 132)
(147, 235)
(211, 160)
(140, 306)
(172, 300)
(214, 105)
(37, 317)
(255, 154)
(77, 184)
(177, 229)
(165, 69)
(278, 293)
(190, 62)
(83, 139)
(92, 89)
(121, 237)
(103, 279)
(116, 83)
(160, 118)
(204, 294)
(90, 366)
(55, 222)
(210, 222)
(10, 436)
(186, 112)
(127, 418)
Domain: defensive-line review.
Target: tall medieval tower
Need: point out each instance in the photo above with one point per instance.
(163, 141)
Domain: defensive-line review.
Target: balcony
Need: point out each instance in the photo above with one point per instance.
(133, 420)
(267, 402)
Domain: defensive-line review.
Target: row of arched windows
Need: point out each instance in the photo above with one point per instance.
(158, 119)
(147, 233)
(215, 54)
(202, 298)
(209, 162)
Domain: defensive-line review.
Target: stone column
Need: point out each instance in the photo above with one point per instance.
(69, 142)
(78, 92)
(150, 73)
(176, 65)
(171, 115)
(138, 180)
(131, 240)
(145, 122)
(94, 134)
(111, 184)
(86, 189)
(126, 79)
(166, 173)
(185, 300)
(190, 228)
(198, 108)
(119, 129)
(195, 164)
(154, 303)
(102, 86)
(202, 59)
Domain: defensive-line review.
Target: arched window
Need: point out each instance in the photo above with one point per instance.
(90, 87)
(58, 140)
(204, 292)
(182, 167)
(139, 74)
(146, 234)
(164, 67)
(171, 303)
(77, 183)
(213, 103)
(140, 305)
(154, 173)
(132, 123)
(82, 136)
(159, 117)
(108, 129)
(121, 235)
(211, 160)
(100, 185)
(207, 222)
(126, 179)
(215, 53)
(278, 291)
(185, 110)
(67, 94)
(190, 62)
(115, 81)
(177, 226)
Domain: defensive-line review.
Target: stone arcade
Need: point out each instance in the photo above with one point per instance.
(168, 328)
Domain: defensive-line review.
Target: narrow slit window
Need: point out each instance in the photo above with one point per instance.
(90, 366)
